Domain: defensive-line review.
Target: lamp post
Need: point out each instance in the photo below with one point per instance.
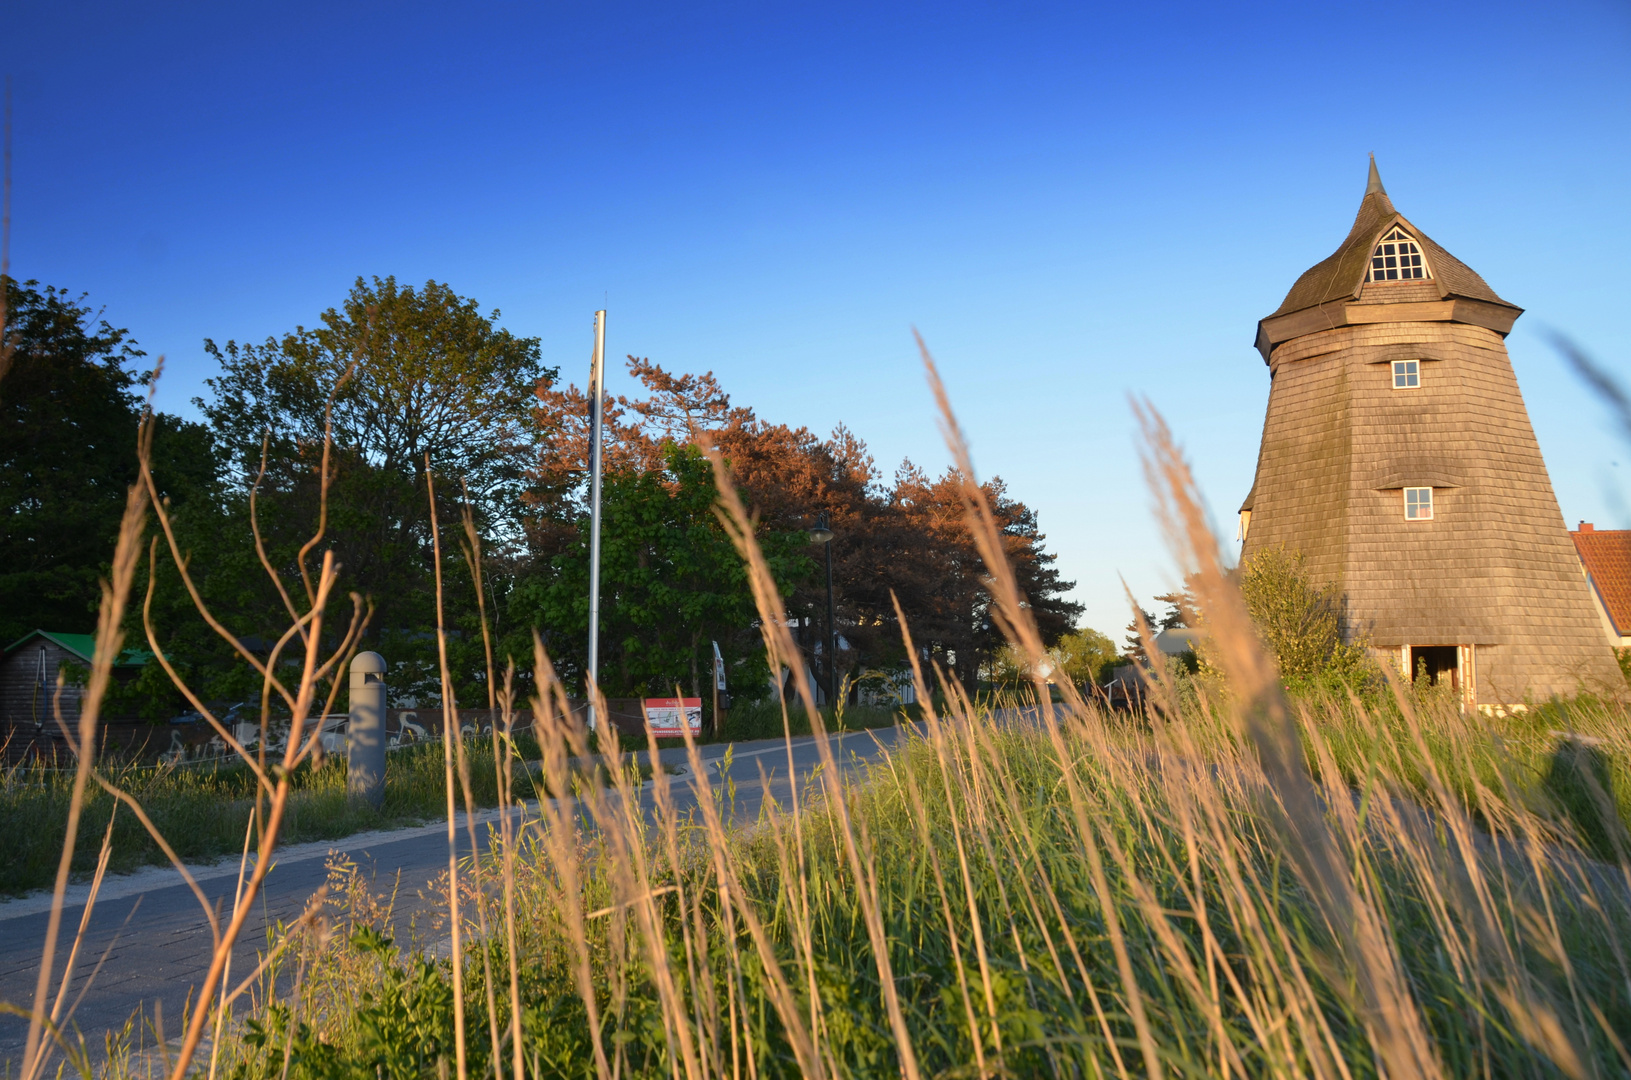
(823, 536)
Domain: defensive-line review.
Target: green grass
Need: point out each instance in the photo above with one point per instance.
(750, 720)
(1227, 949)
(1228, 952)
(204, 810)
(1565, 763)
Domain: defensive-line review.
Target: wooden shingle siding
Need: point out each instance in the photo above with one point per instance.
(1300, 497)
(1495, 566)
(22, 703)
(1397, 292)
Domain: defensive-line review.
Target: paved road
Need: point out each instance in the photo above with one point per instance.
(153, 945)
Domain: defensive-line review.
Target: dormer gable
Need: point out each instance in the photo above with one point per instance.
(1397, 257)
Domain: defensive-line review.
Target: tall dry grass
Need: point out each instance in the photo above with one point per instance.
(1232, 883)
(274, 784)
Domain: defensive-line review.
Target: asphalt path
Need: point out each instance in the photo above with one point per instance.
(146, 948)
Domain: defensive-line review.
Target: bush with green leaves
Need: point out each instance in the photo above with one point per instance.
(1301, 622)
(1081, 656)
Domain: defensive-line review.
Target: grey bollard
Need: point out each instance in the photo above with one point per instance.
(365, 735)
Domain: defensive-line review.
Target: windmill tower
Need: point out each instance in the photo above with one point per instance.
(1398, 458)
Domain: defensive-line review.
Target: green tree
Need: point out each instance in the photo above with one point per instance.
(431, 376)
(1179, 604)
(1083, 655)
(671, 584)
(420, 379)
(1133, 644)
(69, 411)
(1079, 657)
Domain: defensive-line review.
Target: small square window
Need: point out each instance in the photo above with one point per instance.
(1406, 374)
(1418, 504)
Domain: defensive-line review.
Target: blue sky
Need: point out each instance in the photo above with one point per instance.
(1073, 203)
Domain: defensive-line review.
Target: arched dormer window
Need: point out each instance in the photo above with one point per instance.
(1397, 258)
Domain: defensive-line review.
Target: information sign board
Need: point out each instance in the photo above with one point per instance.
(664, 715)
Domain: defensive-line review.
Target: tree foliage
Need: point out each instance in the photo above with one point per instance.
(1083, 656)
(1300, 622)
(413, 374)
(421, 380)
(671, 585)
(69, 410)
(1080, 657)
(905, 540)
(411, 384)
(1132, 645)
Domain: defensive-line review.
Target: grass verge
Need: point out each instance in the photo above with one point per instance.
(204, 810)
(1044, 896)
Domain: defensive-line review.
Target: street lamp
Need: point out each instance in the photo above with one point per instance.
(823, 536)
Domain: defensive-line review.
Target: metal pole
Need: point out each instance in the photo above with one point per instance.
(832, 638)
(597, 401)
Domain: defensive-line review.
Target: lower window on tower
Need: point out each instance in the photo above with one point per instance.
(1418, 503)
(1438, 664)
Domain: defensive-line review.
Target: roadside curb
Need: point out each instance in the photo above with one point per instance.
(149, 878)
(161, 876)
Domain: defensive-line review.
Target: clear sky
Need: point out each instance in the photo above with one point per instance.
(1072, 202)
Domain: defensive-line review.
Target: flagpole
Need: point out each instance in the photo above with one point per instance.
(597, 401)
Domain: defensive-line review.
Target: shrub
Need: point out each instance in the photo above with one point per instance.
(1300, 622)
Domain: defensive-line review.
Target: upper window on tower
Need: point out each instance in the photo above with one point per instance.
(1397, 258)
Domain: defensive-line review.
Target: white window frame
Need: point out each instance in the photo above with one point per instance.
(1398, 245)
(1407, 370)
(1413, 511)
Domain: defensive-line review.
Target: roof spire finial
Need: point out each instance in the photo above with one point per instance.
(1373, 186)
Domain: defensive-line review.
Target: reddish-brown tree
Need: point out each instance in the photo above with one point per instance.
(907, 539)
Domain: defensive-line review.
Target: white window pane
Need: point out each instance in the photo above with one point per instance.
(1418, 504)
(1397, 256)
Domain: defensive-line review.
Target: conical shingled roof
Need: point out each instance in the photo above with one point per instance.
(1341, 276)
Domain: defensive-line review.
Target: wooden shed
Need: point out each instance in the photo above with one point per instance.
(1398, 457)
(28, 682)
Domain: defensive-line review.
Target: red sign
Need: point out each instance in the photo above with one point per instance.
(664, 715)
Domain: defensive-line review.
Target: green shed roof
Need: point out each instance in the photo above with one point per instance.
(83, 646)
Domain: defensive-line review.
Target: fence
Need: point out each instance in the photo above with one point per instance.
(198, 741)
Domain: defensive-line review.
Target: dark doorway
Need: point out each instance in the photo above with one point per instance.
(1438, 662)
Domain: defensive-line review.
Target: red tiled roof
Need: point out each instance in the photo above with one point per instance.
(1606, 555)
